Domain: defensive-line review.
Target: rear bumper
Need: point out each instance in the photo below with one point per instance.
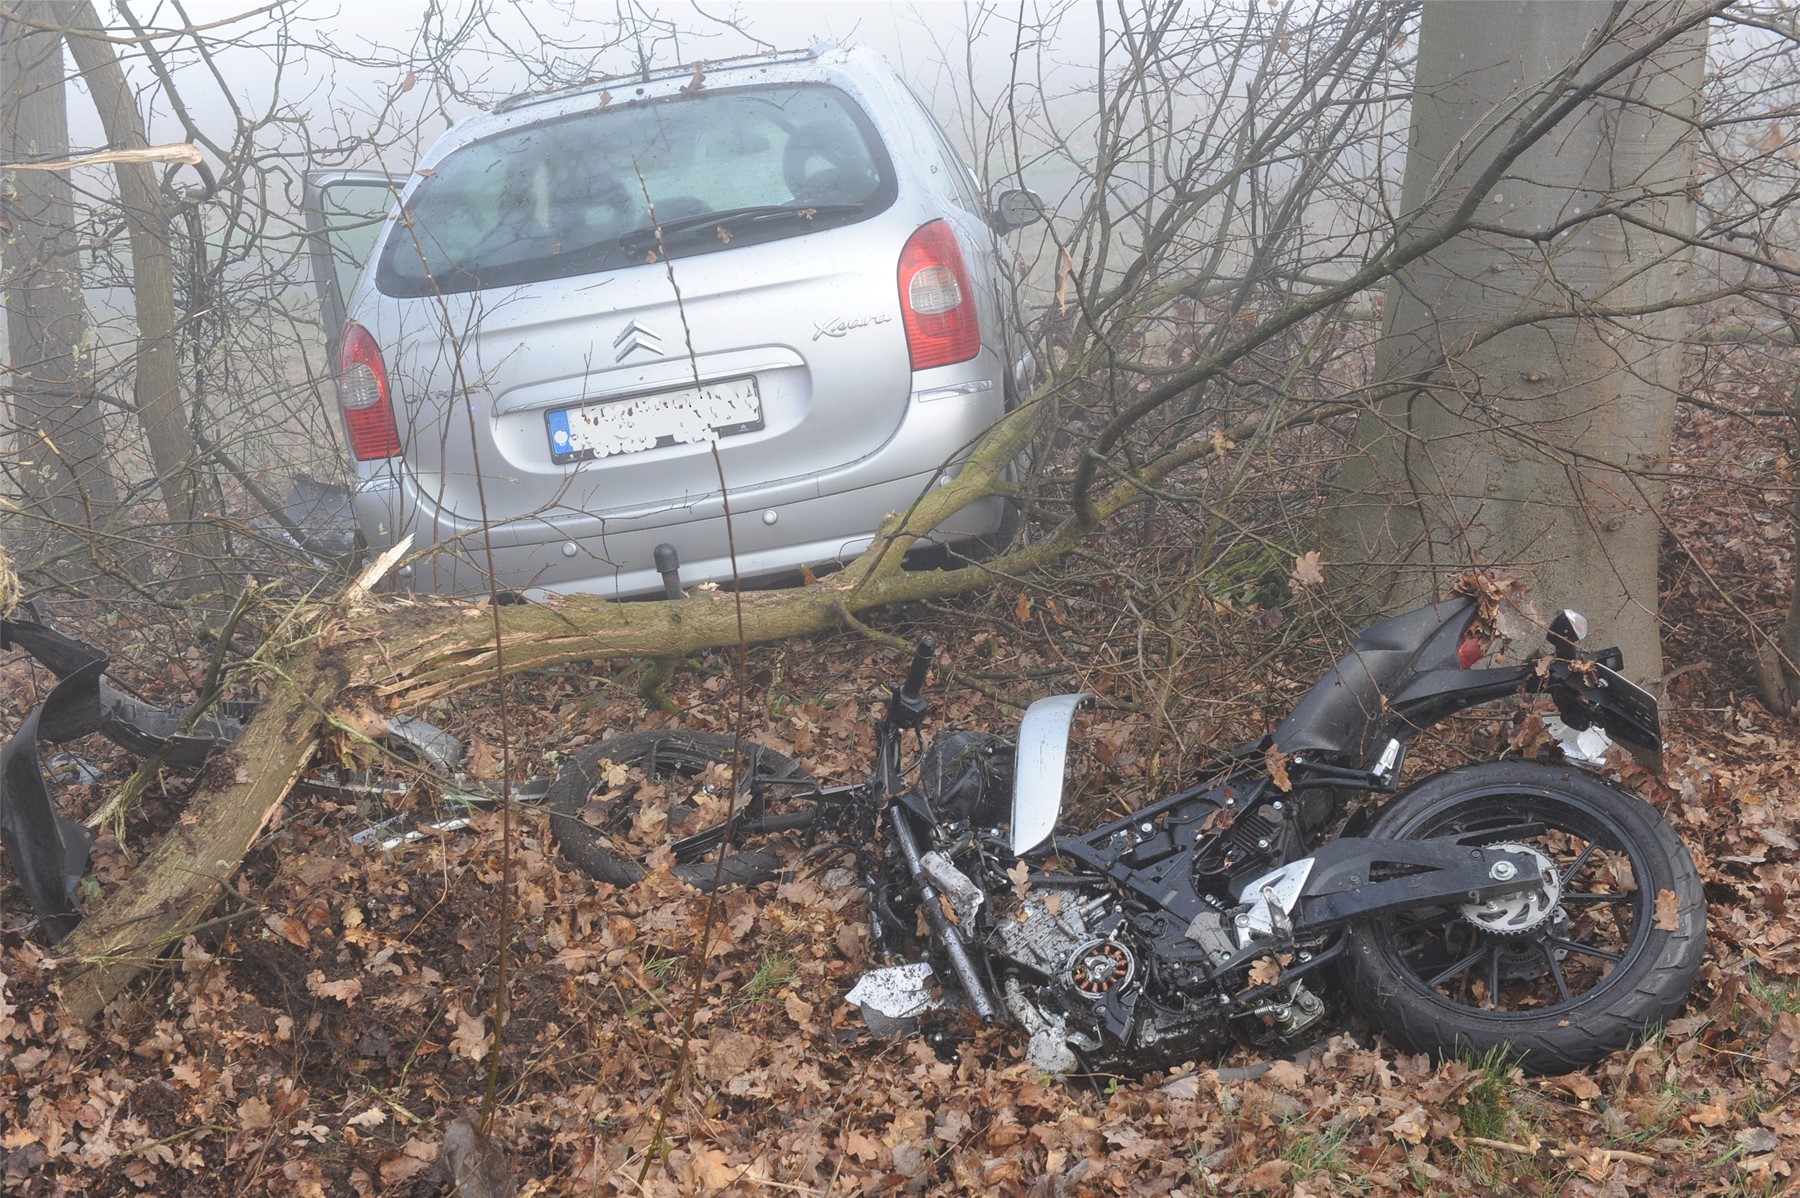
(812, 521)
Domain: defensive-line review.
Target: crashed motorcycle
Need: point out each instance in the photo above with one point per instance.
(1530, 908)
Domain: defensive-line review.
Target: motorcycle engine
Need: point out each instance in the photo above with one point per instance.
(1102, 1001)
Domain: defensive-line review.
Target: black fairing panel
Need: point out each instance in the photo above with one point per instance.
(1344, 713)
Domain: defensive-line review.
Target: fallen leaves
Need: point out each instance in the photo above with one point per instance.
(363, 982)
(344, 990)
(1666, 912)
(400, 1165)
(469, 1039)
(1276, 762)
(289, 929)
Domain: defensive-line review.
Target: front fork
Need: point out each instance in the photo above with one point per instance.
(945, 932)
(906, 709)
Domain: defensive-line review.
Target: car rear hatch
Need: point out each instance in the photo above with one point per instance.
(525, 298)
(585, 397)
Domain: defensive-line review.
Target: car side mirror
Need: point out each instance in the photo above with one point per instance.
(1015, 208)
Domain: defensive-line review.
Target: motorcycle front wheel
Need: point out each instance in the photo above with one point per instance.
(1554, 976)
(620, 798)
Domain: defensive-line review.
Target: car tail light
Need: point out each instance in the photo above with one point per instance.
(937, 300)
(1470, 649)
(362, 390)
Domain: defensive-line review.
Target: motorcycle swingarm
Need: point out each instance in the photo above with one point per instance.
(1339, 887)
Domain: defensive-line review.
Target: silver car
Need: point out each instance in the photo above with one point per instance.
(602, 317)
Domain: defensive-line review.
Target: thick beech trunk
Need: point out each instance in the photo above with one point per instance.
(1535, 358)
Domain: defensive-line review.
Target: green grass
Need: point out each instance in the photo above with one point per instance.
(1488, 1109)
(773, 973)
(1317, 1152)
(1782, 998)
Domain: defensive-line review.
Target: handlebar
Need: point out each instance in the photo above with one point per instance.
(915, 673)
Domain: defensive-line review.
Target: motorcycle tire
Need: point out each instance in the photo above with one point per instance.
(668, 763)
(1553, 977)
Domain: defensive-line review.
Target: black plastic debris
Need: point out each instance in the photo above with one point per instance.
(47, 851)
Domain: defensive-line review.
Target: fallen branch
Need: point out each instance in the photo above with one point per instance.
(175, 887)
(411, 652)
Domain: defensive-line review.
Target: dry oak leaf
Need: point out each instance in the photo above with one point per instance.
(711, 1170)
(1667, 915)
(1309, 571)
(1276, 761)
(1285, 1075)
(1711, 1114)
(255, 1113)
(470, 1039)
(344, 991)
(1577, 1085)
(1412, 1125)
(1269, 1176)
(1020, 877)
(408, 1162)
(864, 1148)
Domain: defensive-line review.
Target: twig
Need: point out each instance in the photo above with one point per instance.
(1607, 1154)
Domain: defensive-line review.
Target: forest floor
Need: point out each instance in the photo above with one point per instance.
(323, 1038)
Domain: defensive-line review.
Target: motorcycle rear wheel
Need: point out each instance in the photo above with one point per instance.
(621, 797)
(1554, 978)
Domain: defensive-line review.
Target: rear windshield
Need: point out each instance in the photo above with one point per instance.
(574, 195)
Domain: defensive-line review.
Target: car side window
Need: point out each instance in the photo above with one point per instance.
(962, 178)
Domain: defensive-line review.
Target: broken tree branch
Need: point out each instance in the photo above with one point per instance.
(176, 886)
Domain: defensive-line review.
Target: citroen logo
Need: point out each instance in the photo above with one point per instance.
(635, 337)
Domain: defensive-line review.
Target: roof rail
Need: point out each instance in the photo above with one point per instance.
(519, 99)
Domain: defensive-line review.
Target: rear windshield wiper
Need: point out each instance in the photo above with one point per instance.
(732, 218)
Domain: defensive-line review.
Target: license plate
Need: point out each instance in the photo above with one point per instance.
(691, 414)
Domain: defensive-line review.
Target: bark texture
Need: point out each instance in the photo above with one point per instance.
(176, 886)
(157, 389)
(411, 652)
(1534, 359)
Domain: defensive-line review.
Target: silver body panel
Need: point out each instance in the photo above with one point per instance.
(1038, 779)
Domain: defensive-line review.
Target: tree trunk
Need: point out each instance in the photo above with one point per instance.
(1536, 357)
(158, 381)
(58, 435)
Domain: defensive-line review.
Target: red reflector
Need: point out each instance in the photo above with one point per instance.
(937, 300)
(362, 390)
(1470, 649)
